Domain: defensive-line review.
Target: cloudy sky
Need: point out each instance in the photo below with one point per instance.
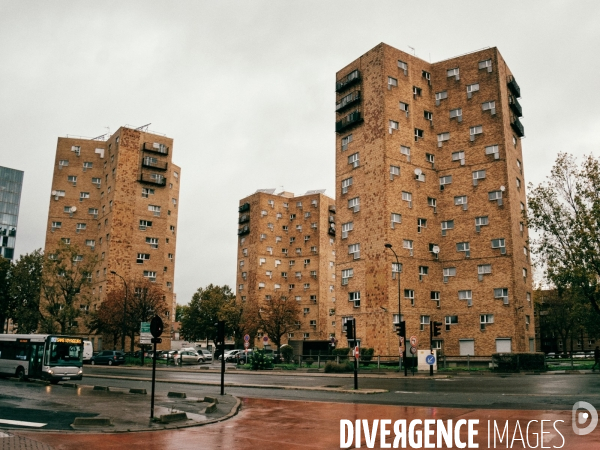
(246, 89)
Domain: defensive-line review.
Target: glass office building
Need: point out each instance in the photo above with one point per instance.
(11, 183)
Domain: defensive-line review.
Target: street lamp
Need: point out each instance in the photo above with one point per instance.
(124, 311)
(389, 246)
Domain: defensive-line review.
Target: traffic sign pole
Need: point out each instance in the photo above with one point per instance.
(431, 346)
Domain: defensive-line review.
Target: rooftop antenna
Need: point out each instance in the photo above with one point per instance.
(107, 131)
(144, 128)
(413, 49)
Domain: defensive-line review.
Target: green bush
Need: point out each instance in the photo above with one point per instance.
(366, 355)
(333, 367)
(515, 362)
(287, 353)
(259, 360)
(308, 362)
(341, 352)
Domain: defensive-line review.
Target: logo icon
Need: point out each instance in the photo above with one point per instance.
(579, 418)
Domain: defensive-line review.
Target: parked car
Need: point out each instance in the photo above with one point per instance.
(244, 357)
(232, 355)
(110, 357)
(551, 355)
(228, 353)
(188, 357)
(207, 355)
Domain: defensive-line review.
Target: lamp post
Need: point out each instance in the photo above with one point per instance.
(389, 246)
(124, 311)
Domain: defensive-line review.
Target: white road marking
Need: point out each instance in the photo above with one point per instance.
(23, 423)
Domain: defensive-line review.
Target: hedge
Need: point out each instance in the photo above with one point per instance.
(515, 362)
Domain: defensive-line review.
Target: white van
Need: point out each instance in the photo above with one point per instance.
(88, 351)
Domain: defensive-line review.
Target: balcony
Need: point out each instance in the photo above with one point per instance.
(513, 86)
(158, 180)
(243, 208)
(245, 218)
(352, 119)
(331, 230)
(244, 230)
(349, 80)
(146, 162)
(156, 148)
(347, 100)
(517, 126)
(515, 106)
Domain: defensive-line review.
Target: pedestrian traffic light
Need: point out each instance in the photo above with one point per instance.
(437, 328)
(350, 330)
(221, 331)
(401, 329)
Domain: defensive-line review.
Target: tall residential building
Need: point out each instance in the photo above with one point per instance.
(11, 183)
(286, 249)
(119, 197)
(429, 160)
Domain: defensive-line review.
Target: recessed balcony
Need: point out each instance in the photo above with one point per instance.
(158, 180)
(243, 208)
(350, 99)
(244, 218)
(244, 230)
(513, 86)
(352, 119)
(349, 80)
(515, 106)
(517, 126)
(156, 148)
(152, 164)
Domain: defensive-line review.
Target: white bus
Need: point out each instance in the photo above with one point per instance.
(45, 356)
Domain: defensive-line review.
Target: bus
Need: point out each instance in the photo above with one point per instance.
(45, 356)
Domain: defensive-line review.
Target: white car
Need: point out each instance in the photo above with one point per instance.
(207, 355)
(189, 357)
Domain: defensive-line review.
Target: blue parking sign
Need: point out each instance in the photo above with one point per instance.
(430, 359)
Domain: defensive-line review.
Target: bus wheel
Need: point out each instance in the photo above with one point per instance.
(20, 374)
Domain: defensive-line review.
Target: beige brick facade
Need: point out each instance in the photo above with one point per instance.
(286, 247)
(112, 196)
(370, 109)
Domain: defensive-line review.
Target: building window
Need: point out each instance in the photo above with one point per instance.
(421, 223)
(354, 249)
(80, 227)
(478, 175)
(423, 322)
(439, 96)
(396, 219)
(448, 272)
(474, 131)
(416, 92)
(393, 125)
(146, 192)
(428, 116)
(141, 257)
(442, 137)
(487, 64)
(456, 114)
(153, 242)
(404, 66)
(66, 241)
(354, 204)
(407, 197)
(447, 225)
(423, 270)
(353, 160)
(405, 151)
(409, 294)
(459, 156)
(392, 82)
(453, 73)
(444, 181)
(472, 88)
(493, 150)
(501, 293)
(346, 228)
(72, 179)
(518, 184)
(435, 296)
(408, 244)
(404, 107)
(466, 295)
(489, 106)
(394, 172)
(432, 202)
(451, 320)
(155, 209)
(152, 276)
(345, 185)
(97, 182)
(464, 247)
(418, 134)
(484, 320)
(499, 243)
(346, 275)
(345, 141)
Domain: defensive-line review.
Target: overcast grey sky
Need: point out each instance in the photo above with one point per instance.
(246, 90)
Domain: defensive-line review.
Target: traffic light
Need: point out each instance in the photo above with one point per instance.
(350, 330)
(401, 329)
(437, 328)
(221, 331)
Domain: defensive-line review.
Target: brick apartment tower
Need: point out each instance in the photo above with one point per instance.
(286, 248)
(428, 159)
(118, 197)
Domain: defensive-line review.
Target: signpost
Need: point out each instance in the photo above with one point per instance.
(156, 329)
(430, 359)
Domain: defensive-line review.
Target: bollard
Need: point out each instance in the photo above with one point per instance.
(300, 361)
(469, 363)
(318, 361)
(378, 358)
(337, 359)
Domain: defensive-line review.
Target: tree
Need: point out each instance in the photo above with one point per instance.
(565, 212)
(180, 311)
(145, 301)
(278, 317)
(25, 290)
(108, 319)
(241, 318)
(66, 280)
(206, 308)
(6, 301)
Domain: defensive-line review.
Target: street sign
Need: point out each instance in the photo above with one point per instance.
(414, 341)
(145, 335)
(413, 350)
(401, 350)
(246, 344)
(430, 359)
(356, 352)
(247, 338)
(265, 338)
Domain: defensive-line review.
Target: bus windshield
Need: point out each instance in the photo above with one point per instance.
(64, 353)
